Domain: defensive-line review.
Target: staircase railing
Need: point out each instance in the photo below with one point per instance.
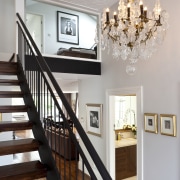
(61, 132)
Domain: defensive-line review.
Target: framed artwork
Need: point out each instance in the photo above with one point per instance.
(168, 124)
(94, 119)
(67, 28)
(150, 122)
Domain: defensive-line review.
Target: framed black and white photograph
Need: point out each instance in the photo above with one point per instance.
(168, 124)
(94, 118)
(67, 28)
(151, 122)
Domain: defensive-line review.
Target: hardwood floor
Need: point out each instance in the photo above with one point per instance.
(67, 169)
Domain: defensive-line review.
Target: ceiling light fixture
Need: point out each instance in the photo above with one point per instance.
(135, 32)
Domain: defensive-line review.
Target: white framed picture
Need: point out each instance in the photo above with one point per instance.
(150, 122)
(168, 124)
(94, 118)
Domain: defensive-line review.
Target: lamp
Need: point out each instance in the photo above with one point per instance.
(135, 32)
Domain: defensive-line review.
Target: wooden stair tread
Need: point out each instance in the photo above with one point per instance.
(27, 170)
(9, 82)
(7, 94)
(9, 109)
(8, 68)
(23, 171)
(18, 146)
(15, 125)
(8, 71)
(7, 62)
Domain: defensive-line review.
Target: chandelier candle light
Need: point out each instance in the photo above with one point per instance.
(135, 32)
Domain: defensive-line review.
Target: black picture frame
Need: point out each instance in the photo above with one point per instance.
(67, 28)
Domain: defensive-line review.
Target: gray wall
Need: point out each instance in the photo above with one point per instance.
(159, 77)
(7, 24)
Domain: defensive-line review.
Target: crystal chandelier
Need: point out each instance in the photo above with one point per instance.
(135, 32)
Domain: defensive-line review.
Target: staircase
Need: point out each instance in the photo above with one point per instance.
(25, 170)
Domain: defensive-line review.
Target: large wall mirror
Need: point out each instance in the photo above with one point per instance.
(48, 36)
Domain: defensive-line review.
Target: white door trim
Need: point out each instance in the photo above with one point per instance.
(41, 31)
(110, 145)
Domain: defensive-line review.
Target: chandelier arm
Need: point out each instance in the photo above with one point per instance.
(135, 31)
(149, 34)
(112, 37)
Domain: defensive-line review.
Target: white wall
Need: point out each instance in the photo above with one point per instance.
(7, 24)
(159, 77)
(8, 11)
(87, 26)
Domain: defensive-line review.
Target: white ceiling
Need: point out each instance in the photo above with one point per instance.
(69, 82)
(92, 5)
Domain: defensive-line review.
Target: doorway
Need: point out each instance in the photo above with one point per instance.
(110, 146)
(34, 24)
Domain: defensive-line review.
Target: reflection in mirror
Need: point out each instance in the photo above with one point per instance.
(125, 111)
(83, 44)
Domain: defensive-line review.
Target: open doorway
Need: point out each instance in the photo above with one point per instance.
(137, 91)
(34, 24)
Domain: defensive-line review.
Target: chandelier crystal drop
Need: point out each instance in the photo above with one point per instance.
(135, 32)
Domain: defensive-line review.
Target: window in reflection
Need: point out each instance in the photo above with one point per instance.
(125, 111)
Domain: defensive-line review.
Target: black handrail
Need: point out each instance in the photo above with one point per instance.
(42, 65)
(62, 115)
